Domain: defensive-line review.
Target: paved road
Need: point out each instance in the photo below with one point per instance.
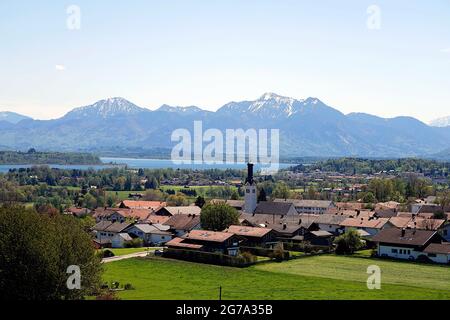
(127, 256)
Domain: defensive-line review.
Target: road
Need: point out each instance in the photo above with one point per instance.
(127, 256)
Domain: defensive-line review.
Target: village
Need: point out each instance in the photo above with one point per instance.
(265, 228)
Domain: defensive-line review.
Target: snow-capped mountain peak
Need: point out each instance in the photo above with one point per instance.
(107, 108)
(441, 122)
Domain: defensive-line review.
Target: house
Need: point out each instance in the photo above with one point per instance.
(120, 239)
(444, 231)
(405, 244)
(370, 225)
(151, 234)
(309, 206)
(389, 205)
(438, 252)
(77, 212)
(155, 219)
(284, 227)
(276, 208)
(330, 223)
(121, 215)
(133, 204)
(319, 238)
(415, 222)
(253, 236)
(210, 241)
(107, 231)
(172, 211)
(181, 224)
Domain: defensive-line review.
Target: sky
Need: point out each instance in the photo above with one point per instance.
(387, 58)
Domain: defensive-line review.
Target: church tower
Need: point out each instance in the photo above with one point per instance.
(250, 191)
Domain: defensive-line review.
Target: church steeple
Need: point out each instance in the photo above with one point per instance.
(250, 191)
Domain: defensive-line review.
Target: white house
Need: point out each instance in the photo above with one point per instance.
(407, 244)
(120, 239)
(151, 234)
(309, 206)
(438, 252)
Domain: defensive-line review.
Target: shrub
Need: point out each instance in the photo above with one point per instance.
(135, 243)
(249, 258)
(349, 242)
(107, 253)
(128, 286)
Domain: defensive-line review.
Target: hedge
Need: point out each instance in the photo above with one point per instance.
(240, 261)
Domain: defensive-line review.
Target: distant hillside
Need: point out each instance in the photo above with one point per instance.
(12, 117)
(32, 157)
(308, 128)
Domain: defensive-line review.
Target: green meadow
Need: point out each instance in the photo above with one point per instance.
(320, 277)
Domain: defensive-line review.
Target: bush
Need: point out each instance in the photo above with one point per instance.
(278, 253)
(107, 253)
(128, 286)
(248, 257)
(349, 242)
(135, 243)
(207, 257)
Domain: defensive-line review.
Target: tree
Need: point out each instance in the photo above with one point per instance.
(369, 197)
(218, 217)
(262, 196)
(234, 195)
(281, 191)
(36, 252)
(200, 201)
(152, 184)
(349, 242)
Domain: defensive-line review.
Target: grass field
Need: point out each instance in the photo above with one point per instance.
(320, 277)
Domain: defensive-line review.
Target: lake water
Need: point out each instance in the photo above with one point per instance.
(144, 164)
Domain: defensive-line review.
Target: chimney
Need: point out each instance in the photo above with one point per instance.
(403, 232)
(284, 226)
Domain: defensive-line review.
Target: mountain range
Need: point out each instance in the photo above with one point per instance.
(308, 127)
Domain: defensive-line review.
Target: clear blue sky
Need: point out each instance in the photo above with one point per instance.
(210, 52)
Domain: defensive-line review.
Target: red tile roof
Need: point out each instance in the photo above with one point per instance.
(248, 231)
(178, 243)
(205, 235)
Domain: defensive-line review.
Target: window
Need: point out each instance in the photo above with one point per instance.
(394, 251)
(409, 251)
(432, 255)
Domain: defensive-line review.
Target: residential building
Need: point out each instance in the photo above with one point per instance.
(210, 241)
(276, 208)
(254, 236)
(309, 206)
(370, 225)
(406, 244)
(181, 224)
(151, 234)
(185, 210)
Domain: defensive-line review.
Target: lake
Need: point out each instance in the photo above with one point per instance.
(144, 164)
